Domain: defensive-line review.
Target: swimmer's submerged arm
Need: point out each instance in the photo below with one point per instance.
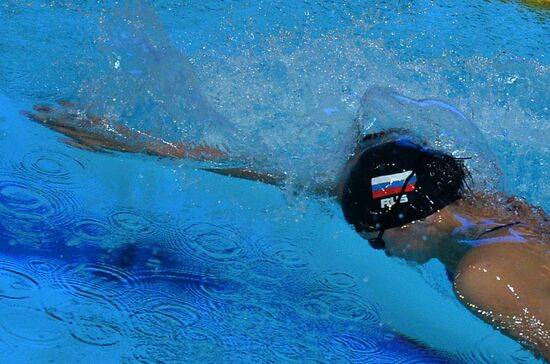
(249, 174)
(99, 134)
(508, 286)
(505, 280)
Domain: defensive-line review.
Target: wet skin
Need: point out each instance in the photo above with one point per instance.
(502, 275)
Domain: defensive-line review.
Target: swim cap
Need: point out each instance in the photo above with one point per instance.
(397, 182)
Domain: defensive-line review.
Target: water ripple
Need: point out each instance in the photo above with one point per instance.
(89, 229)
(285, 253)
(291, 350)
(16, 285)
(162, 353)
(231, 290)
(257, 321)
(93, 280)
(266, 271)
(196, 286)
(41, 266)
(208, 242)
(133, 222)
(50, 166)
(338, 280)
(96, 330)
(31, 325)
(355, 346)
(163, 316)
(342, 305)
(25, 203)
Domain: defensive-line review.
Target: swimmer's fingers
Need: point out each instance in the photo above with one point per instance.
(79, 130)
(49, 117)
(100, 134)
(67, 115)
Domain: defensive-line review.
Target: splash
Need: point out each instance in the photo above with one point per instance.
(285, 90)
(301, 103)
(437, 125)
(148, 84)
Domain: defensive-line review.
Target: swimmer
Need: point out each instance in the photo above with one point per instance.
(408, 200)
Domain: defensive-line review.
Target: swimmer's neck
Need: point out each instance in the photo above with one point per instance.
(451, 253)
(448, 249)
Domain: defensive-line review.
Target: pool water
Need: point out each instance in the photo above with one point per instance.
(121, 258)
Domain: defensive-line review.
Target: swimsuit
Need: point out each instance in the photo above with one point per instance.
(468, 225)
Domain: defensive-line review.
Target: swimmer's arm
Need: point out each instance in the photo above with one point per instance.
(249, 174)
(100, 134)
(507, 281)
(508, 286)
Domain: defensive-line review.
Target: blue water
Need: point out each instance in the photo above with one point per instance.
(122, 258)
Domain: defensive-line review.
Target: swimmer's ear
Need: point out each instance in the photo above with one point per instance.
(249, 174)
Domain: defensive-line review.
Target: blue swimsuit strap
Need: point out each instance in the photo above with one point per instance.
(514, 238)
(497, 228)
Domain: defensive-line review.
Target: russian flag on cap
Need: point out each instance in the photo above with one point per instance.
(392, 184)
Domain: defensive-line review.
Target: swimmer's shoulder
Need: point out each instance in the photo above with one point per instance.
(484, 208)
(497, 282)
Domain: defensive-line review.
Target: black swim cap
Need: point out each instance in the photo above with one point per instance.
(423, 180)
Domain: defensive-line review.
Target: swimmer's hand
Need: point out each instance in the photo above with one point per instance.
(100, 134)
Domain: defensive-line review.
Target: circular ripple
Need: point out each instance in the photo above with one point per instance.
(89, 229)
(208, 242)
(338, 280)
(92, 280)
(147, 353)
(355, 346)
(199, 288)
(266, 271)
(32, 204)
(224, 291)
(31, 325)
(132, 222)
(50, 166)
(268, 277)
(41, 266)
(336, 355)
(96, 330)
(291, 351)
(94, 321)
(314, 307)
(285, 253)
(29, 233)
(342, 305)
(200, 339)
(255, 320)
(16, 285)
(163, 316)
